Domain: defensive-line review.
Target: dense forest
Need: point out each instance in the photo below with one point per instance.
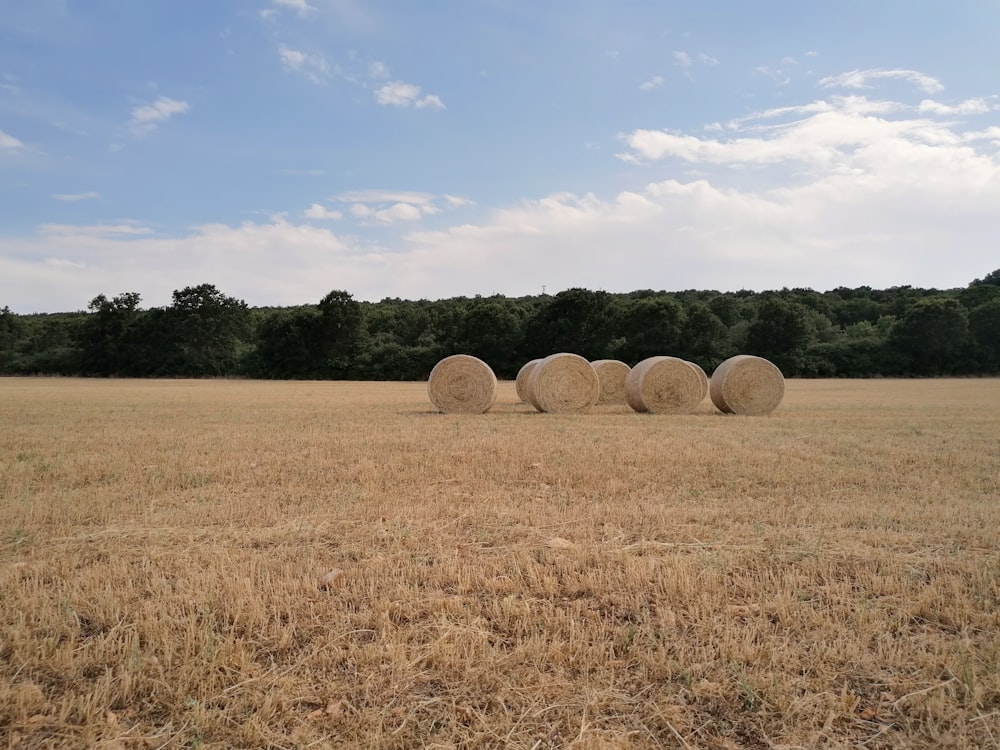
(863, 332)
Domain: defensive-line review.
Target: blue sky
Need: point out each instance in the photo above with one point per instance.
(283, 148)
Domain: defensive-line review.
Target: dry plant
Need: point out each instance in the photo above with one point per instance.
(523, 377)
(665, 385)
(747, 385)
(462, 384)
(229, 564)
(563, 383)
(611, 373)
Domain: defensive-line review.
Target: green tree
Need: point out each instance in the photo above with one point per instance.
(12, 331)
(491, 330)
(338, 328)
(103, 336)
(780, 333)
(576, 321)
(984, 324)
(933, 333)
(650, 327)
(993, 277)
(213, 331)
(703, 338)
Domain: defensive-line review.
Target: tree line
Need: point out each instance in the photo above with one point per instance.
(860, 332)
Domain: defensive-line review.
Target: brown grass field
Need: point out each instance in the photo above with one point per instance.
(825, 577)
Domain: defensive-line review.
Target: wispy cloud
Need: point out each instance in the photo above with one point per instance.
(317, 211)
(976, 106)
(399, 94)
(303, 172)
(385, 196)
(9, 83)
(74, 197)
(301, 7)
(393, 214)
(148, 117)
(9, 142)
(455, 201)
(859, 79)
(312, 66)
(839, 134)
(686, 61)
(130, 229)
(382, 207)
(378, 70)
(653, 83)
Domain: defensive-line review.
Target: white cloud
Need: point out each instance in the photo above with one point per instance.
(968, 107)
(431, 100)
(385, 196)
(312, 66)
(383, 207)
(686, 61)
(653, 83)
(74, 197)
(778, 75)
(378, 70)
(276, 263)
(9, 142)
(859, 79)
(9, 83)
(400, 94)
(831, 135)
(398, 212)
(392, 214)
(148, 117)
(96, 230)
(62, 262)
(317, 211)
(843, 191)
(301, 7)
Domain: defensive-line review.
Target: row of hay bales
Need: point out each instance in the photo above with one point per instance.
(568, 383)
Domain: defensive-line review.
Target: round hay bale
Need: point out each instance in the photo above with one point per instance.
(611, 373)
(462, 384)
(663, 385)
(522, 379)
(746, 384)
(704, 380)
(563, 383)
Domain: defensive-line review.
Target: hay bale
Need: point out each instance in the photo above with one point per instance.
(462, 384)
(611, 373)
(522, 379)
(563, 383)
(746, 384)
(663, 385)
(704, 380)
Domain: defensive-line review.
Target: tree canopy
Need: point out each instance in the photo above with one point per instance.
(862, 332)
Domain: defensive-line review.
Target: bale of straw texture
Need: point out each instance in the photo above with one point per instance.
(522, 379)
(664, 385)
(462, 384)
(611, 373)
(704, 380)
(746, 384)
(563, 383)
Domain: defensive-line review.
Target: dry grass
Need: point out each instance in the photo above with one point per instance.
(823, 577)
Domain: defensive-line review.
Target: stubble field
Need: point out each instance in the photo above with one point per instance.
(826, 577)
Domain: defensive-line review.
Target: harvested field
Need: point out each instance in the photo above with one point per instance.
(827, 576)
